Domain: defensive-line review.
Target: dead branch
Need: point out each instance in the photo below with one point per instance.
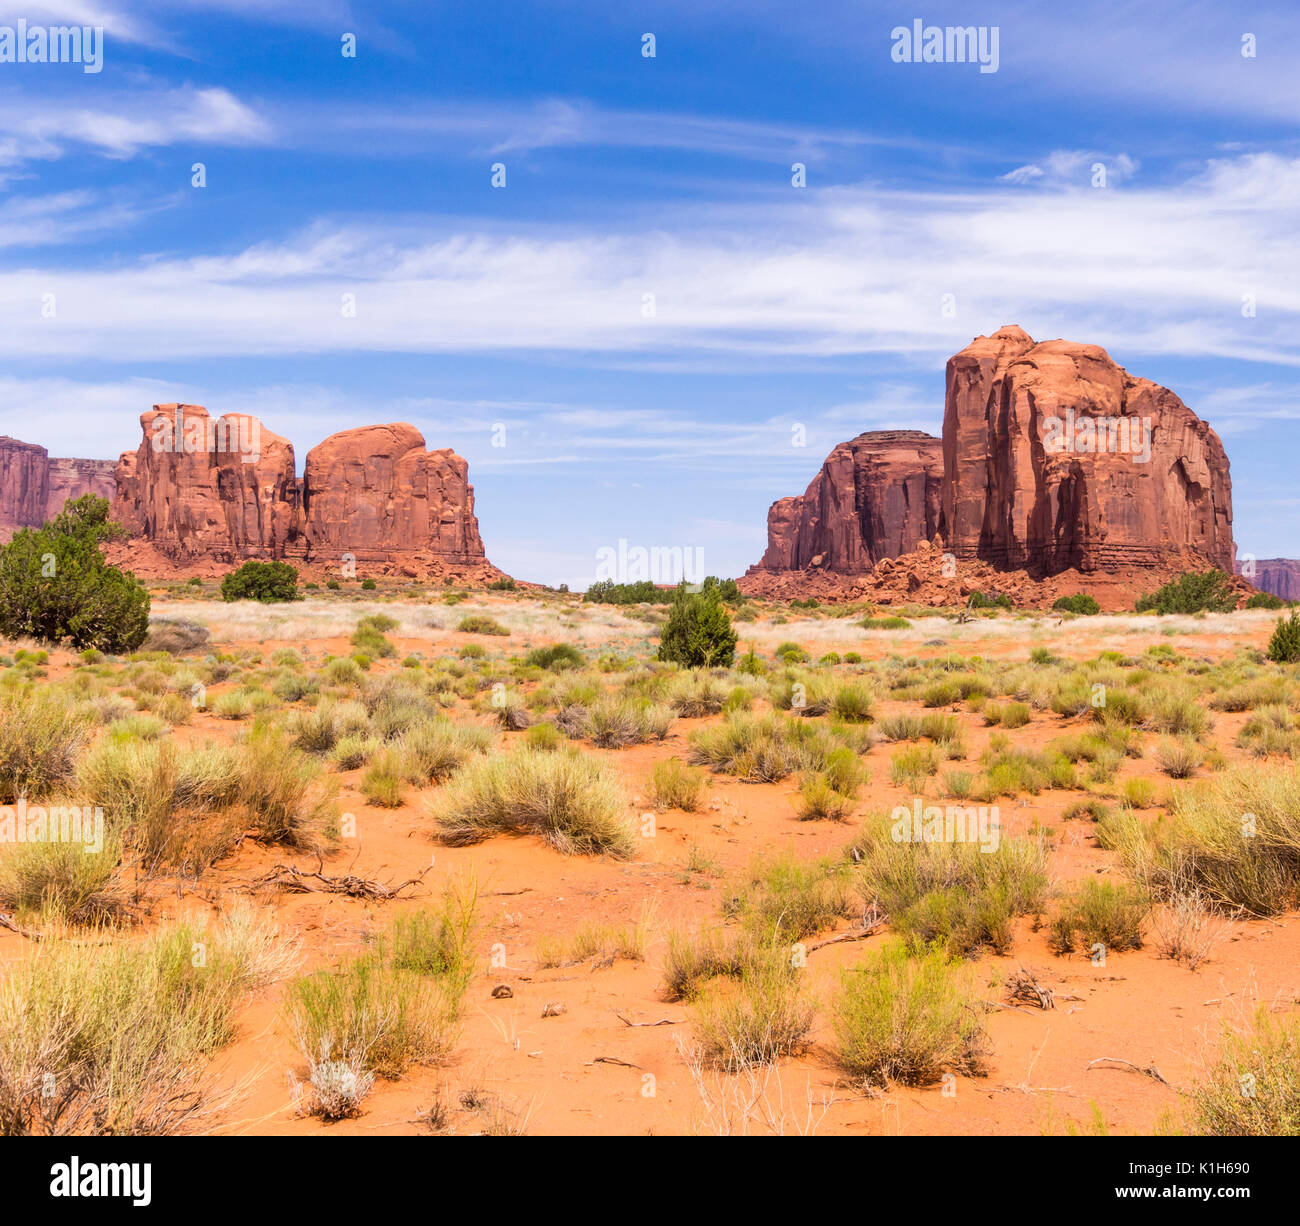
(293, 880)
(1022, 986)
(870, 928)
(1149, 1071)
(7, 921)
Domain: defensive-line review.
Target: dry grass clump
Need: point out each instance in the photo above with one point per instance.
(695, 693)
(1178, 757)
(121, 1031)
(42, 735)
(184, 807)
(754, 1019)
(61, 882)
(1236, 838)
(572, 801)
(614, 723)
(832, 793)
(1251, 1088)
(952, 893)
(379, 1013)
(1100, 913)
(1270, 730)
(674, 785)
(767, 748)
(435, 749)
(907, 1020)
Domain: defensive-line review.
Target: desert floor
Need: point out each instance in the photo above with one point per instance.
(599, 1064)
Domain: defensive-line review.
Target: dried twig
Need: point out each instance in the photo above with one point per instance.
(663, 1021)
(869, 928)
(614, 1060)
(7, 921)
(293, 879)
(1149, 1071)
(1022, 986)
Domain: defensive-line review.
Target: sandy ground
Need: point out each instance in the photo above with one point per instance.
(599, 1066)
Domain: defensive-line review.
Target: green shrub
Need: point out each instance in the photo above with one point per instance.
(56, 586)
(953, 893)
(1080, 603)
(989, 600)
(1100, 913)
(1284, 645)
(755, 1020)
(557, 657)
(265, 581)
(698, 633)
(1210, 591)
(1265, 600)
(674, 785)
(885, 623)
(1251, 1089)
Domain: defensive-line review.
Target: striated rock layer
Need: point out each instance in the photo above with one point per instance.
(875, 497)
(1055, 458)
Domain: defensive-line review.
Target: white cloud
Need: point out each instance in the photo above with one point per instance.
(1160, 269)
(122, 124)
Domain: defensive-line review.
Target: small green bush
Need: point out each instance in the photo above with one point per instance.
(1210, 591)
(268, 582)
(1284, 645)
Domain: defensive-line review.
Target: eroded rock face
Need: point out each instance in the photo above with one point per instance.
(377, 492)
(876, 496)
(1280, 576)
(24, 484)
(221, 489)
(1055, 458)
(34, 486)
(70, 479)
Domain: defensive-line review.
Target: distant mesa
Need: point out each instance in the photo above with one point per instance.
(34, 485)
(1054, 462)
(1277, 576)
(201, 493)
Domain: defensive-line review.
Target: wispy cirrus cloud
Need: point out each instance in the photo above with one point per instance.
(124, 122)
(845, 271)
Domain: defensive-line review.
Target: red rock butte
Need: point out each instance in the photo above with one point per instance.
(1053, 460)
(200, 491)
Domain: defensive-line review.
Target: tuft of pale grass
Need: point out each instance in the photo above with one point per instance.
(41, 737)
(572, 801)
(125, 1029)
(908, 1020)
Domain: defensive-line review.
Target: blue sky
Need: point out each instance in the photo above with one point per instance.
(626, 176)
